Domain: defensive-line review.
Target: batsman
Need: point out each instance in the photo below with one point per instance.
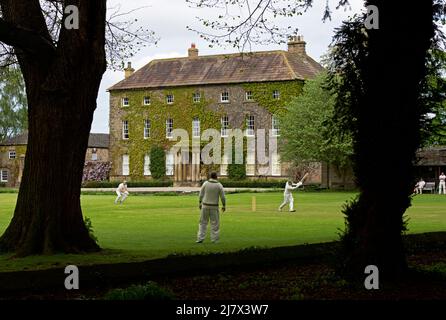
(288, 195)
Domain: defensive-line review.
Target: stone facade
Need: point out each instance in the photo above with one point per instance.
(11, 170)
(259, 86)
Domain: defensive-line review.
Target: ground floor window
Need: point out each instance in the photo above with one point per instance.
(147, 165)
(250, 164)
(125, 165)
(170, 163)
(4, 176)
(275, 165)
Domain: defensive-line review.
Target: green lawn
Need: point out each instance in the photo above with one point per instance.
(150, 226)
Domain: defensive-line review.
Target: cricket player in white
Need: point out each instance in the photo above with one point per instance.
(420, 186)
(122, 192)
(210, 194)
(288, 196)
(442, 186)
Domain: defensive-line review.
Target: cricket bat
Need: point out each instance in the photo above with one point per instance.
(304, 177)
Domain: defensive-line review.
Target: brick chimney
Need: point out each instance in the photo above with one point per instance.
(192, 51)
(297, 45)
(129, 70)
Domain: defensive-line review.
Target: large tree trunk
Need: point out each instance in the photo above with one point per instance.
(62, 88)
(388, 136)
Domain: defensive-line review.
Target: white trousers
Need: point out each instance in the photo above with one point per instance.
(287, 198)
(121, 196)
(212, 214)
(442, 187)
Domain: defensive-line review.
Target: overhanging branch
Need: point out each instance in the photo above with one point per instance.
(28, 41)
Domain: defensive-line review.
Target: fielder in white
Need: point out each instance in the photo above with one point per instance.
(288, 195)
(122, 192)
(442, 186)
(420, 186)
(210, 194)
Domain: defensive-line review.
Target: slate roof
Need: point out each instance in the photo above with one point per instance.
(96, 140)
(222, 69)
(433, 156)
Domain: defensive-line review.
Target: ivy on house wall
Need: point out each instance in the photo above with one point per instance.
(183, 110)
(262, 93)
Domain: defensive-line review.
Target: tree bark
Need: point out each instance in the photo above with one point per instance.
(61, 89)
(388, 136)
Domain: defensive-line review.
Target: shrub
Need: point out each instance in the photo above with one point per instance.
(89, 227)
(149, 291)
(157, 162)
(237, 171)
(135, 184)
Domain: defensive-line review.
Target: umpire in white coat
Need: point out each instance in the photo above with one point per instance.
(210, 194)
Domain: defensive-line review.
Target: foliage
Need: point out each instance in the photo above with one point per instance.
(242, 23)
(237, 171)
(13, 103)
(89, 226)
(308, 133)
(157, 162)
(257, 183)
(96, 171)
(434, 99)
(148, 291)
(130, 184)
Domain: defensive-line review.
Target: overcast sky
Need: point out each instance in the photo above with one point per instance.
(169, 18)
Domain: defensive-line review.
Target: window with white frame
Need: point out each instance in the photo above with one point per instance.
(125, 102)
(146, 101)
(276, 94)
(147, 165)
(196, 128)
(12, 154)
(224, 96)
(4, 176)
(275, 127)
(224, 165)
(196, 97)
(125, 129)
(170, 163)
(250, 163)
(169, 98)
(94, 154)
(125, 165)
(146, 128)
(249, 96)
(224, 126)
(169, 128)
(250, 125)
(275, 164)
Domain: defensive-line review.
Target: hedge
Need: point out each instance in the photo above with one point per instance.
(130, 184)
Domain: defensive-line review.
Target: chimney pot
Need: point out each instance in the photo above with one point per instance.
(297, 45)
(193, 51)
(129, 70)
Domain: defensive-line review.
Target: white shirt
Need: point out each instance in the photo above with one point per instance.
(442, 178)
(289, 188)
(122, 187)
(421, 184)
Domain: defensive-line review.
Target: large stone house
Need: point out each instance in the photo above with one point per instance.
(13, 150)
(195, 93)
